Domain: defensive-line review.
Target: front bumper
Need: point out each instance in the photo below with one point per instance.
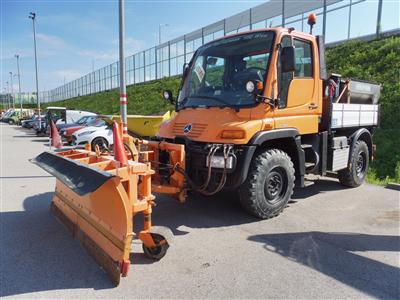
(79, 140)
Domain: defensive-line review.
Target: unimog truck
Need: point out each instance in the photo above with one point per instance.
(257, 111)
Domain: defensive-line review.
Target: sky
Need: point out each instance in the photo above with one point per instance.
(73, 36)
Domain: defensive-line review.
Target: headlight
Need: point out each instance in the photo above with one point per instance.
(86, 133)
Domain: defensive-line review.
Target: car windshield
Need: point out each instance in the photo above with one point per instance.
(98, 123)
(220, 70)
(82, 120)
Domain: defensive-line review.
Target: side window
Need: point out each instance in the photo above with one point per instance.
(284, 79)
(197, 75)
(303, 55)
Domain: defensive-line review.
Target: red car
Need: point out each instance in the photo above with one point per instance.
(66, 133)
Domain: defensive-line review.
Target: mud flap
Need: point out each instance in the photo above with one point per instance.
(75, 175)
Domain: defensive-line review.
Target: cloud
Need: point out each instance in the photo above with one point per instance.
(99, 55)
(68, 74)
(51, 40)
(132, 45)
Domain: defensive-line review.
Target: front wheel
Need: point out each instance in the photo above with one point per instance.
(354, 174)
(100, 142)
(159, 250)
(269, 184)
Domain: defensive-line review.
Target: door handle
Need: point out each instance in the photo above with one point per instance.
(313, 106)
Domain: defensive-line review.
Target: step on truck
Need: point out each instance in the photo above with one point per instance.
(255, 113)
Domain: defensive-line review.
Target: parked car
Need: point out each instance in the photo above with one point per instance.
(66, 133)
(29, 122)
(6, 114)
(100, 135)
(61, 115)
(16, 115)
(81, 122)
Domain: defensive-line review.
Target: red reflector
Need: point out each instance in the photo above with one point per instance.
(125, 267)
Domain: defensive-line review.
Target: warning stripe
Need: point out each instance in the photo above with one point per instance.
(123, 102)
(123, 96)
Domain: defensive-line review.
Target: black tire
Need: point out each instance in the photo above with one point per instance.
(11, 122)
(160, 250)
(354, 174)
(269, 184)
(101, 142)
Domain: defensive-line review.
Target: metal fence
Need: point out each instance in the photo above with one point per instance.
(338, 20)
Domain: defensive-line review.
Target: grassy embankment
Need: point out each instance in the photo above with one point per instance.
(377, 61)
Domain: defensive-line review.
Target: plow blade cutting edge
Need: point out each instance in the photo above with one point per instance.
(96, 199)
(74, 174)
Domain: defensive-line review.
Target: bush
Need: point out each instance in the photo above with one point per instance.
(377, 61)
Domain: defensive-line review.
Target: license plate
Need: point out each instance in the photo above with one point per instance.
(219, 162)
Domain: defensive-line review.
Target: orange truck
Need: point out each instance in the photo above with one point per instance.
(256, 112)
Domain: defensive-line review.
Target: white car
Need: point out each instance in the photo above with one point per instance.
(100, 134)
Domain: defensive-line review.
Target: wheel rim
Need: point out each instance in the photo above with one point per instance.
(275, 185)
(99, 143)
(361, 164)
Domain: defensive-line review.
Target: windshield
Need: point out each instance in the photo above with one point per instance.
(220, 70)
(97, 123)
(82, 120)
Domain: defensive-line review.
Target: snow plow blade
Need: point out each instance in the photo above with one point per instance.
(72, 173)
(96, 198)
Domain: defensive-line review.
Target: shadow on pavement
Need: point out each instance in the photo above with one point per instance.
(25, 136)
(42, 140)
(38, 254)
(199, 212)
(320, 185)
(331, 254)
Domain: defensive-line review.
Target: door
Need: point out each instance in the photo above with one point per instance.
(297, 90)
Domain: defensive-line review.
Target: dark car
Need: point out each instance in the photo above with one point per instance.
(30, 122)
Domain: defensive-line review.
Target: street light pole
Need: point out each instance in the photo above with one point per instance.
(19, 83)
(123, 100)
(33, 17)
(8, 95)
(12, 90)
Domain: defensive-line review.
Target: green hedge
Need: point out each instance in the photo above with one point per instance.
(377, 61)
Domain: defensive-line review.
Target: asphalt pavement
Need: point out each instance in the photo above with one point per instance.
(330, 242)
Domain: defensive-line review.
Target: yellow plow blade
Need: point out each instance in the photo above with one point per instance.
(96, 199)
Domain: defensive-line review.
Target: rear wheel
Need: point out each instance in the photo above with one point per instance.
(269, 184)
(354, 174)
(100, 142)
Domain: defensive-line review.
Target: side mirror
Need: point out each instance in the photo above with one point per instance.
(288, 61)
(254, 87)
(185, 69)
(167, 95)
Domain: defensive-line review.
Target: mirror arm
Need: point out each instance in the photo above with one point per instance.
(266, 100)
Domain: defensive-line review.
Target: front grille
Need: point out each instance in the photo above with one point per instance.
(197, 129)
